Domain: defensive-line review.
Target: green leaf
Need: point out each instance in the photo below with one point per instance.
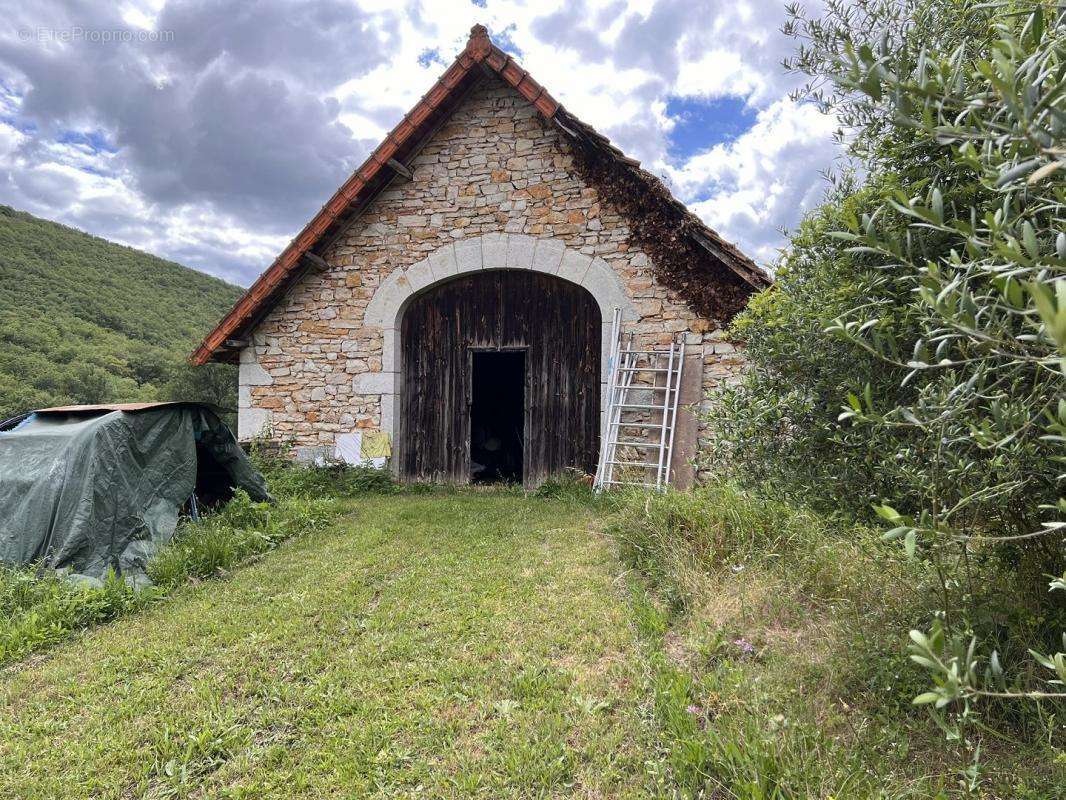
(894, 534)
(919, 639)
(887, 513)
(1016, 171)
(1051, 314)
(1043, 660)
(1029, 237)
(938, 205)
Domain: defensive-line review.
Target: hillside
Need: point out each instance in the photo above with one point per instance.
(84, 320)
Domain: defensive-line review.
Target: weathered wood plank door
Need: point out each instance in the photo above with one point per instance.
(557, 322)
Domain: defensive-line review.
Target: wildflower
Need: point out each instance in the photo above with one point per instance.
(746, 647)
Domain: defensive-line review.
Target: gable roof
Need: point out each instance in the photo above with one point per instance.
(478, 57)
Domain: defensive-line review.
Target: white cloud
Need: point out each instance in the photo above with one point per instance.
(10, 140)
(751, 188)
(719, 72)
(229, 137)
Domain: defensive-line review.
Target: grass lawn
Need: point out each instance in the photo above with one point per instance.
(441, 645)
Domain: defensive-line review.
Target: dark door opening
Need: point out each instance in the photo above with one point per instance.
(497, 415)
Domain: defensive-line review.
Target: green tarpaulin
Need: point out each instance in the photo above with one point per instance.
(93, 489)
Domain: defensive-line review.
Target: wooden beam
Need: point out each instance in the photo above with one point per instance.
(726, 259)
(314, 262)
(400, 168)
(562, 126)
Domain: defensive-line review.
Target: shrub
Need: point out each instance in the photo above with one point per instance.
(984, 259)
(241, 529)
(777, 428)
(289, 479)
(910, 357)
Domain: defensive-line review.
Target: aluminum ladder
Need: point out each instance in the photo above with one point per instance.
(642, 397)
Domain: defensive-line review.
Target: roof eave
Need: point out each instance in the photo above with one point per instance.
(479, 51)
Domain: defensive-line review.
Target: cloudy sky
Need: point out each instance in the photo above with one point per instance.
(210, 132)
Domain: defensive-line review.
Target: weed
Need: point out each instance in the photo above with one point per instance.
(573, 485)
(242, 529)
(775, 660)
(40, 608)
(297, 480)
(183, 758)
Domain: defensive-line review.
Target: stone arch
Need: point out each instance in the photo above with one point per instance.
(489, 252)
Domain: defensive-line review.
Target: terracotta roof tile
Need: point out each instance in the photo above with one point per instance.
(479, 50)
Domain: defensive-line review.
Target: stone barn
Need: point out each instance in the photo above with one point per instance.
(457, 292)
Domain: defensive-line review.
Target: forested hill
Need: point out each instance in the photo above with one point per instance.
(84, 320)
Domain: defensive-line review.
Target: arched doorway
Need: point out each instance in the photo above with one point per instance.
(500, 379)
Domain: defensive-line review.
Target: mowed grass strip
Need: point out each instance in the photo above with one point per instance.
(445, 645)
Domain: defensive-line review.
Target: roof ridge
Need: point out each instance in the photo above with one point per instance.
(367, 179)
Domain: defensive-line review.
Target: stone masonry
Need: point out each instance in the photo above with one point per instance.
(316, 368)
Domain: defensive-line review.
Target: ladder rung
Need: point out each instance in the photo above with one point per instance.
(627, 363)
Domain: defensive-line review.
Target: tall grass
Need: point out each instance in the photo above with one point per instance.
(287, 479)
(682, 541)
(241, 530)
(777, 662)
(37, 610)
(40, 607)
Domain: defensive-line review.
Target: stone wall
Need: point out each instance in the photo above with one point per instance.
(317, 368)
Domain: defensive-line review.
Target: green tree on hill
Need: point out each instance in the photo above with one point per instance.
(84, 320)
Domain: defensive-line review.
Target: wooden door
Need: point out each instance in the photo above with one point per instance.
(555, 321)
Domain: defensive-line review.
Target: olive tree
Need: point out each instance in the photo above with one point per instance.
(984, 255)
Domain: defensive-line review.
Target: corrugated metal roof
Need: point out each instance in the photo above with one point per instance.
(100, 408)
(105, 407)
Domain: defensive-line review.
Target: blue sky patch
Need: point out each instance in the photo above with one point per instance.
(21, 125)
(503, 40)
(701, 124)
(10, 100)
(95, 140)
(430, 56)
